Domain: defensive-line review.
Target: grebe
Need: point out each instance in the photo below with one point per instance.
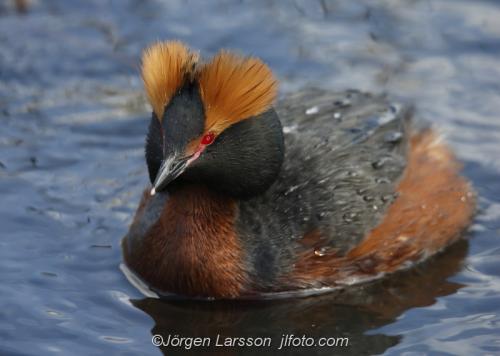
(251, 199)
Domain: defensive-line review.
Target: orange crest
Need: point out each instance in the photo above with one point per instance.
(165, 66)
(234, 88)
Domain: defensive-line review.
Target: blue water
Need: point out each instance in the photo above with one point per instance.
(73, 119)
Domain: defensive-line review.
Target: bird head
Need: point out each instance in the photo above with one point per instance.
(212, 122)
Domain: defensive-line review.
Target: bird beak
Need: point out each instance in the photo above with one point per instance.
(170, 169)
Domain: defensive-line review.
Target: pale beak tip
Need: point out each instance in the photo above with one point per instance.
(153, 191)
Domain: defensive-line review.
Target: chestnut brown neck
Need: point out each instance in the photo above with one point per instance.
(192, 249)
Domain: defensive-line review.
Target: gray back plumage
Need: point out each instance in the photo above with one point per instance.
(344, 155)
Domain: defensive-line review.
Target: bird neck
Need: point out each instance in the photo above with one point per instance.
(245, 160)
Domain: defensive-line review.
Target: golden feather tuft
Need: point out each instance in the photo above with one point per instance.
(165, 66)
(234, 88)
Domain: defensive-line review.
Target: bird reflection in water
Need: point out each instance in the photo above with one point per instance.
(347, 313)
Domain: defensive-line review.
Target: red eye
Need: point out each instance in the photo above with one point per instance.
(208, 138)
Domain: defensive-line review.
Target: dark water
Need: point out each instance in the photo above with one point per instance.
(73, 119)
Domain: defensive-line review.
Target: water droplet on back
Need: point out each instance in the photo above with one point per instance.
(320, 251)
(382, 180)
(393, 136)
(320, 215)
(342, 103)
(380, 162)
(288, 129)
(387, 197)
(313, 110)
(349, 217)
(292, 189)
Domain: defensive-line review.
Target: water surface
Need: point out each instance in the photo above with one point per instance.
(73, 119)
